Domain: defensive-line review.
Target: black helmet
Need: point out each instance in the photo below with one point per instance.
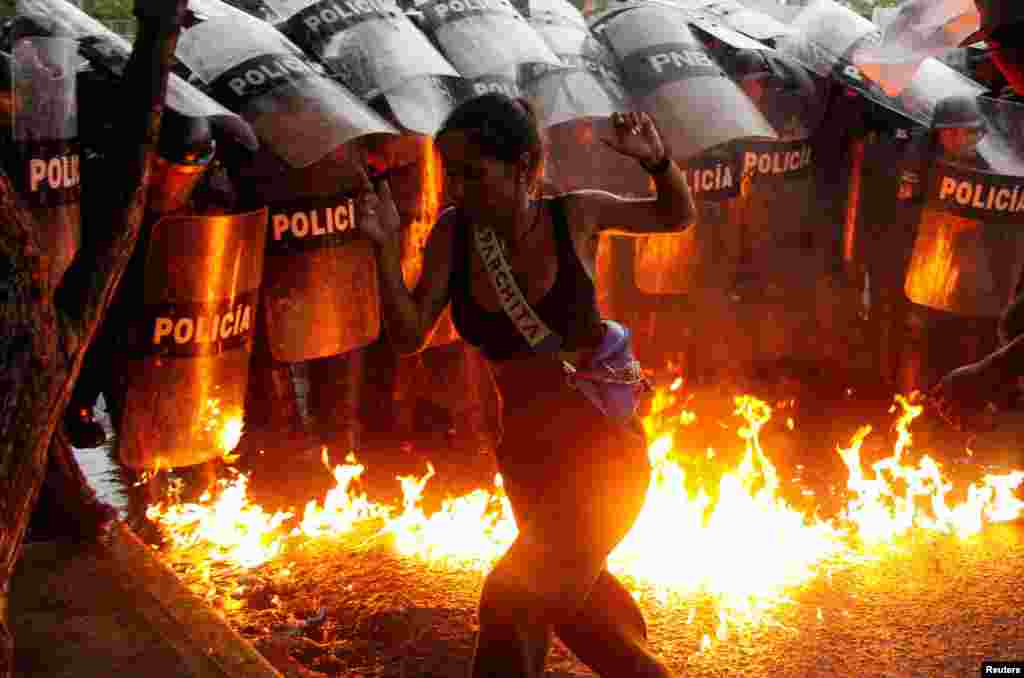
(957, 111)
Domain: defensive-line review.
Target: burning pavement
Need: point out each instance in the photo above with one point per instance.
(873, 559)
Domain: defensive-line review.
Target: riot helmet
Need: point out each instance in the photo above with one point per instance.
(957, 111)
(959, 126)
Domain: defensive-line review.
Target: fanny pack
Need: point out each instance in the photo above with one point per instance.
(612, 379)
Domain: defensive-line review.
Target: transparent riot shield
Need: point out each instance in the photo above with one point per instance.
(573, 104)
(825, 34)
(671, 76)
(746, 20)
(253, 69)
(828, 37)
(45, 162)
(108, 52)
(488, 42)
(320, 286)
(706, 254)
(932, 82)
(189, 362)
(592, 84)
(970, 248)
(918, 30)
(374, 49)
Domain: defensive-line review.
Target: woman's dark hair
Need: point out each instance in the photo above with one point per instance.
(504, 128)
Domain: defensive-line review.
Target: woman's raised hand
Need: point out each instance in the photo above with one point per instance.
(376, 213)
(637, 136)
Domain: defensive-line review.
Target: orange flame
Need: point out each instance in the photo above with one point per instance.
(711, 539)
(934, 271)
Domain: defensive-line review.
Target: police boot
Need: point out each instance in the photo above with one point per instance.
(335, 390)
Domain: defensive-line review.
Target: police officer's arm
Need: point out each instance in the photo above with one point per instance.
(672, 210)
(409, 317)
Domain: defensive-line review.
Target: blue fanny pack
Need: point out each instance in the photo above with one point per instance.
(613, 379)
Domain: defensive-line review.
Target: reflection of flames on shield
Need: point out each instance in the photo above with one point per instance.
(934, 273)
(850, 243)
(734, 513)
(431, 188)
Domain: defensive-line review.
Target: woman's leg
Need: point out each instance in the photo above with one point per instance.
(574, 503)
(609, 634)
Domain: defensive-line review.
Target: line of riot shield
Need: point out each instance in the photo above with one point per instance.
(253, 69)
(970, 246)
(46, 160)
(188, 364)
(670, 75)
(108, 53)
(489, 42)
(375, 50)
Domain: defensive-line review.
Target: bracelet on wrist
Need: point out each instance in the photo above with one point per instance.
(659, 167)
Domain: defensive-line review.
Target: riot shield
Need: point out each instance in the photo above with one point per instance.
(671, 76)
(969, 248)
(373, 49)
(319, 294)
(825, 34)
(591, 86)
(574, 103)
(108, 52)
(918, 30)
(750, 22)
(707, 254)
(45, 162)
(188, 366)
(321, 282)
(932, 82)
(826, 39)
(488, 41)
(255, 70)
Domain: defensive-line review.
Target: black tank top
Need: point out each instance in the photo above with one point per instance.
(569, 308)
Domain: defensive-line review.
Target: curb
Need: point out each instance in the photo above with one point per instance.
(179, 616)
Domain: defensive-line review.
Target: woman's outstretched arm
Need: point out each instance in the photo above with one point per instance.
(671, 210)
(408, 317)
